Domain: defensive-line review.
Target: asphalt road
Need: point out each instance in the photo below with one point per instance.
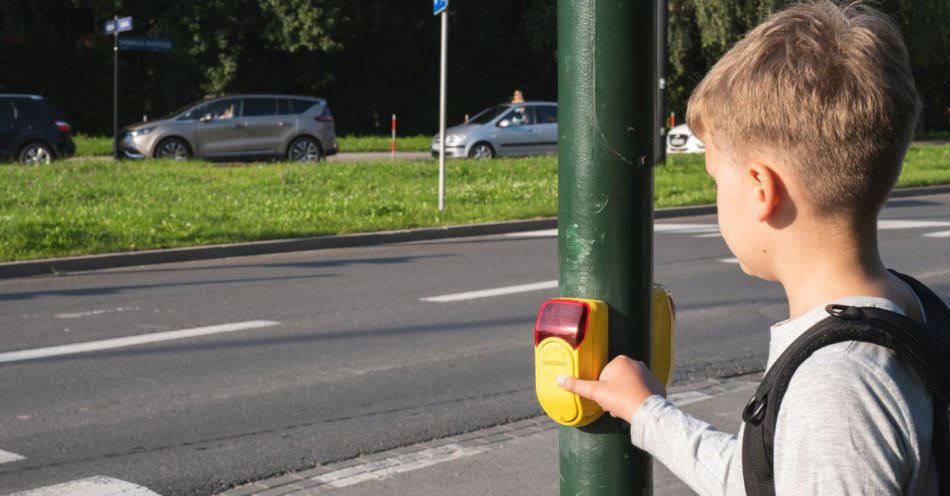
(298, 359)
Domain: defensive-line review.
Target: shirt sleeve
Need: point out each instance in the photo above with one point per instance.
(707, 460)
(846, 427)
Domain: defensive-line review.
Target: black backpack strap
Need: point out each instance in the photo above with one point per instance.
(909, 340)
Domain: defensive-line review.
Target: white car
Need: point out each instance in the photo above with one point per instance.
(681, 140)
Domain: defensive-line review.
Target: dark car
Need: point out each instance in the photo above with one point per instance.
(32, 130)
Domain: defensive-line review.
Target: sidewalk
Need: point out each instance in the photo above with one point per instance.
(516, 458)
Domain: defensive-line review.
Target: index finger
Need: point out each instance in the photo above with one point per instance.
(580, 387)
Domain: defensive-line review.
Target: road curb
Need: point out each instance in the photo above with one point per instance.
(114, 260)
(920, 191)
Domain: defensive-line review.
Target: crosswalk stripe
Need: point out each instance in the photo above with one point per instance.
(92, 486)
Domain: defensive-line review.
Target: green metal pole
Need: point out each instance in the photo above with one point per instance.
(606, 87)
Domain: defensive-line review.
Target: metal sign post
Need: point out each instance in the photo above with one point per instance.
(114, 27)
(440, 7)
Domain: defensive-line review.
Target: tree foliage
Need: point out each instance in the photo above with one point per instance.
(369, 58)
(700, 32)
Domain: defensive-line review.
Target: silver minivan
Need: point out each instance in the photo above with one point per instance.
(239, 126)
(528, 128)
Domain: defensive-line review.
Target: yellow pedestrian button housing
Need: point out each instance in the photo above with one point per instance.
(570, 337)
(663, 338)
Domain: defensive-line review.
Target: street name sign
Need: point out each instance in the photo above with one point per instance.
(439, 5)
(118, 25)
(147, 44)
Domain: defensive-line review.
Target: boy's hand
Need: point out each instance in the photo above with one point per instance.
(623, 386)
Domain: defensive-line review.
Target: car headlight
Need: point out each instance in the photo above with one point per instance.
(454, 139)
(143, 131)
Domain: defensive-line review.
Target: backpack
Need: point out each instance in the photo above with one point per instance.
(924, 347)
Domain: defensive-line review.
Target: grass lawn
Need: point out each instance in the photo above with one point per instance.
(381, 143)
(100, 206)
(92, 146)
(98, 146)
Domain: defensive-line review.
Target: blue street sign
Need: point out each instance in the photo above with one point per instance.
(439, 5)
(147, 44)
(124, 24)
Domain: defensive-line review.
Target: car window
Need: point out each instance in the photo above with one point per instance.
(521, 115)
(301, 106)
(218, 110)
(178, 112)
(31, 109)
(486, 116)
(283, 107)
(547, 114)
(256, 107)
(6, 116)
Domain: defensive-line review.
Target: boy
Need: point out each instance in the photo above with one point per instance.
(806, 121)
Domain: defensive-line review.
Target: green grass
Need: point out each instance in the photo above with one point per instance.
(98, 146)
(92, 146)
(926, 164)
(99, 206)
(682, 180)
(382, 143)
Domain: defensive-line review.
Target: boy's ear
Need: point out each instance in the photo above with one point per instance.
(765, 184)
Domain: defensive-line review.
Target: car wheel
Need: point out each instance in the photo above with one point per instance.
(305, 149)
(36, 153)
(481, 151)
(173, 149)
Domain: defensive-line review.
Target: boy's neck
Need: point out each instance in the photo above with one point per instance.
(833, 264)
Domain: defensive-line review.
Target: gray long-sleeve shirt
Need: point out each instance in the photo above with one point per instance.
(854, 420)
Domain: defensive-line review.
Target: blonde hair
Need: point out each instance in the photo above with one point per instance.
(826, 89)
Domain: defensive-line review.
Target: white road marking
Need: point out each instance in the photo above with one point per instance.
(687, 397)
(93, 486)
(663, 228)
(697, 230)
(397, 464)
(106, 344)
(910, 224)
(88, 313)
(485, 293)
(7, 457)
(686, 228)
(933, 273)
(544, 233)
(712, 230)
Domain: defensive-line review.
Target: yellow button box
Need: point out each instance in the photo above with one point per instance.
(570, 337)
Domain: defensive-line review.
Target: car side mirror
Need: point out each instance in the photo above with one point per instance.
(504, 123)
(206, 118)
